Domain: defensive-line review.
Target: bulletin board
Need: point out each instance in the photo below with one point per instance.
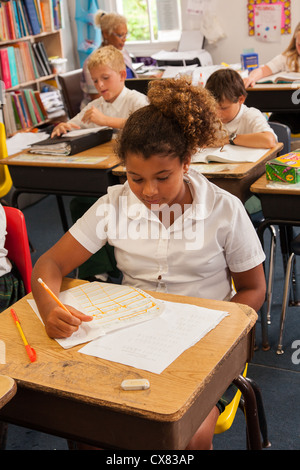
(285, 14)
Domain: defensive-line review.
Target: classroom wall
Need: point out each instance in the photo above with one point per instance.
(232, 16)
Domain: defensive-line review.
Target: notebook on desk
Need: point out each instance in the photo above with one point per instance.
(228, 154)
(73, 142)
(281, 77)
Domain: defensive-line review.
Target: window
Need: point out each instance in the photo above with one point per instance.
(151, 20)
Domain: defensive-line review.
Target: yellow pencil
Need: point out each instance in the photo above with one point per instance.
(53, 295)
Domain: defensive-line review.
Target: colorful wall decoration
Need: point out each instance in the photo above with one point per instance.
(285, 6)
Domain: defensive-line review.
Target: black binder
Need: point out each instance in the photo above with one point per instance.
(71, 145)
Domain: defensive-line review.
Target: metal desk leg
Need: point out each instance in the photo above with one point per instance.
(251, 412)
(264, 308)
(62, 212)
(261, 413)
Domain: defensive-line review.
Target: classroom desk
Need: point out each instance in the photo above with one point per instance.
(79, 397)
(84, 178)
(235, 178)
(280, 206)
(271, 97)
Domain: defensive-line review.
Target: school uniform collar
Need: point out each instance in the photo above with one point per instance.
(119, 101)
(202, 205)
(235, 121)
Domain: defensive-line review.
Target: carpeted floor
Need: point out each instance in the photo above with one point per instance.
(277, 376)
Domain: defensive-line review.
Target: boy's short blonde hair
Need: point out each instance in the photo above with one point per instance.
(107, 55)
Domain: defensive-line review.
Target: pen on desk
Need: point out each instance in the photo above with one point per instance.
(30, 351)
(52, 295)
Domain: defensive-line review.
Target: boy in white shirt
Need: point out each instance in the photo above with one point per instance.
(116, 102)
(112, 108)
(245, 126)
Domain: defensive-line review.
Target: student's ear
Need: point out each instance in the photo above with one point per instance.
(242, 99)
(123, 75)
(186, 163)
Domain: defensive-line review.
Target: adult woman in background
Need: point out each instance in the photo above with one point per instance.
(114, 32)
(288, 61)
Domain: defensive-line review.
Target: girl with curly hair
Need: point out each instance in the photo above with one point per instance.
(172, 230)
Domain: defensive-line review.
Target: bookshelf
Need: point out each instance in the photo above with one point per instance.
(30, 33)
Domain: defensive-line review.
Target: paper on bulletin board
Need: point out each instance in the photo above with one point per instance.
(268, 21)
(196, 7)
(285, 10)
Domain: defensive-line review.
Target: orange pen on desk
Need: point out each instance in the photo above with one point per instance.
(30, 351)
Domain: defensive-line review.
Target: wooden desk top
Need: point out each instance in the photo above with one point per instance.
(261, 187)
(274, 86)
(231, 170)
(8, 388)
(96, 381)
(103, 150)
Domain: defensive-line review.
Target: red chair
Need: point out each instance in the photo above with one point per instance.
(17, 244)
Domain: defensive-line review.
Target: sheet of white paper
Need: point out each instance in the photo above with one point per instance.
(80, 132)
(112, 306)
(84, 332)
(23, 140)
(173, 71)
(154, 345)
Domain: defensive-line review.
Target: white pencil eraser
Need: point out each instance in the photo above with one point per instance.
(135, 384)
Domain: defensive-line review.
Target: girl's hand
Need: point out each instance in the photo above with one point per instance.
(62, 324)
(62, 128)
(93, 115)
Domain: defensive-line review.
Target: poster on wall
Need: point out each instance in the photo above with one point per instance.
(268, 19)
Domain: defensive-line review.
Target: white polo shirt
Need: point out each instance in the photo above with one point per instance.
(248, 121)
(5, 265)
(191, 257)
(126, 103)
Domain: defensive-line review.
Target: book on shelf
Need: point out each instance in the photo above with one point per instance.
(39, 61)
(17, 117)
(57, 14)
(32, 13)
(12, 66)
(23, 109)
(27, 62)
(43, 56)
(47, 15)
(281, 77)
(73, 142)
(21, 18)
(5, 70)
(9, 20)
(16, 20)
(9, 121)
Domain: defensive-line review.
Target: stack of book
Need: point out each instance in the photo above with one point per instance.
(21, 18)
(23, 62)
(23, 109)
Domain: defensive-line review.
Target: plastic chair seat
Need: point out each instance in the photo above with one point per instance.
(5, 178)
(71, 91)
(226, 418)
(17, 244)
